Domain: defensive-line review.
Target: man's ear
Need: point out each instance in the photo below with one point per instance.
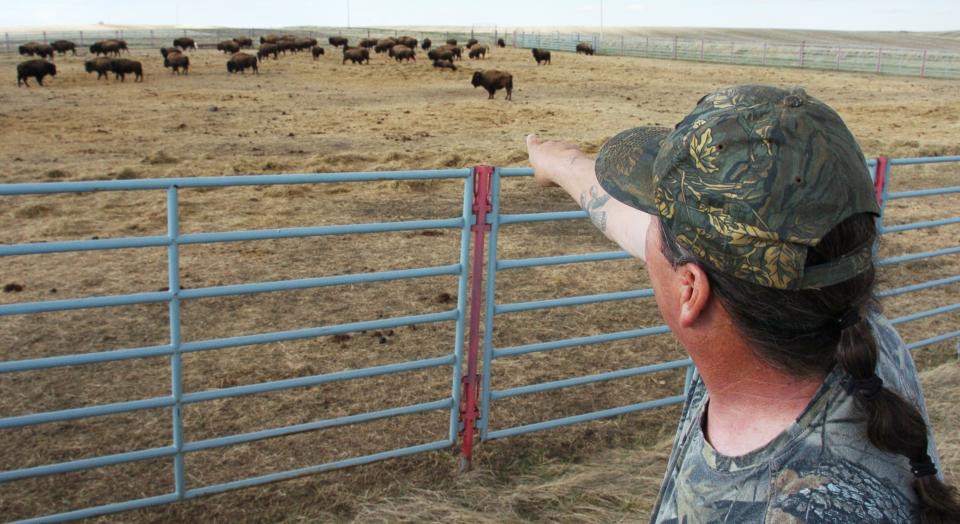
(694, 293)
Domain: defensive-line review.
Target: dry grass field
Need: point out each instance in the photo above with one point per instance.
(301, 115)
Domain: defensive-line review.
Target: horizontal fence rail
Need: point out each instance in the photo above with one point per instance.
(932, 63)
(481, 216)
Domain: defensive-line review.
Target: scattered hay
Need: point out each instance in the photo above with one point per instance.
(56, 173)
(34, 211)
(160, 157)
(125, 174)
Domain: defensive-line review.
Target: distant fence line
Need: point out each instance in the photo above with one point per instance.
(806, 55)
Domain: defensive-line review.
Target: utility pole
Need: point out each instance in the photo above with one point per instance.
(348, 13)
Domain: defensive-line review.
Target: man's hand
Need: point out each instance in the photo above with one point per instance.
(553, 161)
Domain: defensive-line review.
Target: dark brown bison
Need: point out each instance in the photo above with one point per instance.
(122, 67)
(269, 39)
(541, 56)
(472, 42)
(451, 41)
(501, 43)
(338, 41)
(164, 51)
(440, 53)
(240, 62)
(286, 44)
(243, 41)
(37, 68)
(425, 45)
(316, 51)
(303, 44)
(357, 55)
(585, 48)
(384, 45)
(367, 42)
(28, 49)
(456, 50)
(229, 46)
(444, 64)
(402, 52)
(492, 80)
(407, 41)
(176, 62)
(184, 43)
(479, 51)
(101, 65)
(44, 51)
(106, 47)
(267, 50)
(122, 44)
(62, 46)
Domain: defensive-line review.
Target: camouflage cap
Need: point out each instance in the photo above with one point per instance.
(747, 182)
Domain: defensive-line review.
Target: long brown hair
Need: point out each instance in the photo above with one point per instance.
(801, 333)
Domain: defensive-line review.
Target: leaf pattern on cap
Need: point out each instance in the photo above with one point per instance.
(703, 153)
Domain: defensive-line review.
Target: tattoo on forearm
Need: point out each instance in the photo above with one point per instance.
(592, 202)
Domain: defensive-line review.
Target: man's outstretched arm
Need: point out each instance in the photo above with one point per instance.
(561, 164)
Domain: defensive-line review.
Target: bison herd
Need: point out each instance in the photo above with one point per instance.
(107, 56)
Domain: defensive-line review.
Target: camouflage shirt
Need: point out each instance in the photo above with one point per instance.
(820, 469)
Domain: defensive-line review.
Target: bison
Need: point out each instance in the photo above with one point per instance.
(367, 42)
(122, 67)
(106, 47)
(122, 45)
(62, 46)
(316, 51)
(407, 41)
(357, 55)
(472, 42)
(269, 39)
(541, 56)
(184, 42)
(100, 64)
(37, 68)
(164, 51)
(440, 53)
(425, 45)
(384, 45)
(176, 62)
(267, 50)
(402, 52)
(28, 49)
(243, 41)
(338, 41)
(229, 46)
(585, 48)
(240, 62)
(479, 51)
(501, 43)
(44, 51)
(492, 80)
(444, 64)
(451, 41)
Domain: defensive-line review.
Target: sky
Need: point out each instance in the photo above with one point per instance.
(850, 15)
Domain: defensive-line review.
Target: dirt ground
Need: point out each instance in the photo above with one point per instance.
(301, 115)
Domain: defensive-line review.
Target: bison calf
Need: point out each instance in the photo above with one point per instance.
(100, 64)
(240, 62)
(585, 48)
(493, 80)
(316, 51)
(501, 43)
(122, 67)
(36, 68)
(425, 45)
(541, 56)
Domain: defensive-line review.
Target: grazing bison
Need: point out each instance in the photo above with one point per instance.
(243, 41)
(267, 50)
(122, 67)
(425, 45)
(338, 41)
(407, 41)
(492, 80)
(402, 52)
(384, 45)
(456, 50)
(106, 47)
(472, 42)
(44, 51)
(367, 42)
(316, 51)
(286, 44)
(28, 49)
(240, 62)
(585, 48)
(62, 46)
(184, 43)
(444, 64)
(451, 41)
(229, 46)
(37, 68)
(541, 56)
(101, 65)
(440, 53)
(501, 43)
(479, 51)
(269, 39)
(176, 62)
(122, 44)
(357, 55)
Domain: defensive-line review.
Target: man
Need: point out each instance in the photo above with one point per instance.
(755, 217)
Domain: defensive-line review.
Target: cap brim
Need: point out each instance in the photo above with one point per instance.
(625, 166)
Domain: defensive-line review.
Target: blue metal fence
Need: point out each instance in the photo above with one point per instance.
(175, 348)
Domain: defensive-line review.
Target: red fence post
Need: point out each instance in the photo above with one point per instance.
(482, 176)
(880, 179)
